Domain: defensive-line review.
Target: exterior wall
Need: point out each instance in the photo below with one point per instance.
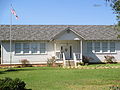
(32, 58)
(75, 44)
(66, 40)
(99, 57)
(42, 58)
(68, 36)
(36, 58)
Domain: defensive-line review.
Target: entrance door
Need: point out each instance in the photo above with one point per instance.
(67, 50)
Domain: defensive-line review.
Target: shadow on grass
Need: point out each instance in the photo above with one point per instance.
(1, 72)
(13, 70)
(29, 69)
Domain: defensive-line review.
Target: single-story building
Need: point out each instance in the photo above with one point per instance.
(38, 43)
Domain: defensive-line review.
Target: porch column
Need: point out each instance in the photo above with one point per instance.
(81, 46)
(1, 62)
(55, 48)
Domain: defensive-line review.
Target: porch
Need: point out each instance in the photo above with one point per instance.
(68, 52)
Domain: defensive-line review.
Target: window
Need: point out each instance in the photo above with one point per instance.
(89, 47)
(101, 47)
(104, 46)
(34, 48)
(97, 46)
(42, 47)
(112, 46)
(17, 47)
(30, 48)
(26, 48)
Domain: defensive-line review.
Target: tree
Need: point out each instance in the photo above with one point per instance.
(115, 4)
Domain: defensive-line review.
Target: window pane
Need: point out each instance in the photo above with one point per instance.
(97, 46)
(25, 47)
(42, 47)
(112, 46)
(34, 48)
(112, 49)
(104, 46)
(18, 51)
(17, 47)
(89, 47)
(42, 50)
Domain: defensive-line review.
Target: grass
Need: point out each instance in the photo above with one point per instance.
(46, 78)
(97, 65)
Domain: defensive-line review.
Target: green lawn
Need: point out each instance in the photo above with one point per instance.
(46, 78)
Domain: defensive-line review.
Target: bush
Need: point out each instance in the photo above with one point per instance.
(51, 61)
(114, 87)
(10, 84)
(25, 63)
(86, 60)
(110, 59)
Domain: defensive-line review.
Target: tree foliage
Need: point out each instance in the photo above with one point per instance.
(115, 4)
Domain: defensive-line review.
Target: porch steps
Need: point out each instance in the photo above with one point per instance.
(70, 63)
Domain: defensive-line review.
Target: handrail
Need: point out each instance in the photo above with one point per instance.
(75, 59)
(78, 55)
(58, 55)
(64, 62)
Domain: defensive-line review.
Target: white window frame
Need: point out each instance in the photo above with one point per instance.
(45, 47)
(20, 47)
(89, 46)
(107, 46)
(31, 47)
(114, 47)
(101, 47)
(30, 50)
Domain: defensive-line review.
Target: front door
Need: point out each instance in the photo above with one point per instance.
(67, 50)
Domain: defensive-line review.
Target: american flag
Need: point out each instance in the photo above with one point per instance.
(14, 13)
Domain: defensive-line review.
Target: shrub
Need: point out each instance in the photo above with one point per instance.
(10, 84)
(110, 59)
(86, 60)
(114, 87)
(51, 61)
(25, 63)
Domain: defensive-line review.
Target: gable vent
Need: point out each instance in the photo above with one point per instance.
(68, 30)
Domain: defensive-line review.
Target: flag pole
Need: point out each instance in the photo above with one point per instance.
(10, 35)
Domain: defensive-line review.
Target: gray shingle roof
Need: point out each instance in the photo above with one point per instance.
(47, 32)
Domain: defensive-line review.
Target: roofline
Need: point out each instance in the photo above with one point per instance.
(77, 33)
(51, 25)
(64, 31)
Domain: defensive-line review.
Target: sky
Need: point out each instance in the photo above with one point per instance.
(57, 12)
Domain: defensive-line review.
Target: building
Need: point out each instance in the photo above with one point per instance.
(38, 43)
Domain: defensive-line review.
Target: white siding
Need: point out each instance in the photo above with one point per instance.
(32, 58)
(68, 36)
(98, 57)
(42, 58)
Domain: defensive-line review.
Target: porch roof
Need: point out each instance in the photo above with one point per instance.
(48, 32)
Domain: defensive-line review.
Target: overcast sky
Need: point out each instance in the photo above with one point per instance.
(57, 12)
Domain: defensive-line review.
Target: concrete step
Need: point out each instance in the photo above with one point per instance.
(70, 63)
